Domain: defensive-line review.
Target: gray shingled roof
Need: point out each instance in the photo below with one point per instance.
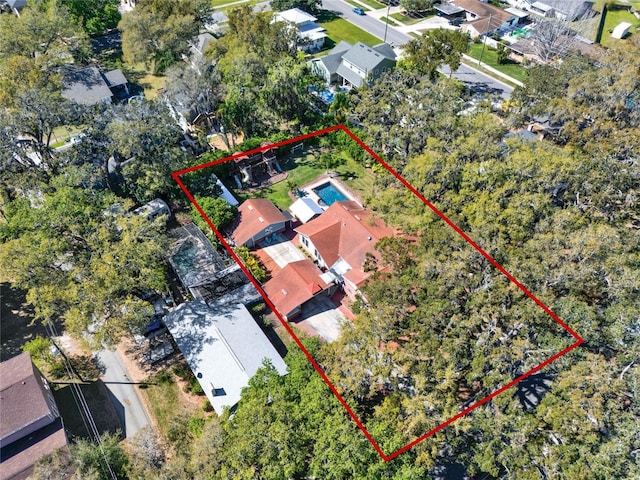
(115, 78)
(85, 86)
(364, 57)
(351, 76)
(332, 61)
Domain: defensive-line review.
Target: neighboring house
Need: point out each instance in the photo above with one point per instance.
(31, 426)
(13, 6)
(258, 220)
(90, 86)
(197, 49)
(153, 209)
(484, 18)
(305, 209)
(311, 36)
(565, 10)
(224, 347)
(205, 272)
(354, 65)
(296, 284)
(342, 240)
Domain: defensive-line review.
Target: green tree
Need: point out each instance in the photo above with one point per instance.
(502, 53)
(95, 16)
(434, 48)
(81, 265)
(217, 210)
(157, 32)
(311, 6)
(416, 6)
(43, 28)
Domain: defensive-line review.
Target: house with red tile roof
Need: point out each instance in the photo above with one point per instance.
(295, 285)
(258, 220)
(31, 426)
(342, 240)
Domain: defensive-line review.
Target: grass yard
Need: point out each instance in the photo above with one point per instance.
(339, 29)
(408, 19)
(304, 168)
(613, 18)
(166, 402)
(373, 4)
(490, 58)
(389, 21)
(358, 4)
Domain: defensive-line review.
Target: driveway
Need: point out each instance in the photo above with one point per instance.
(284, 252)
(123, 393)
(321, 317)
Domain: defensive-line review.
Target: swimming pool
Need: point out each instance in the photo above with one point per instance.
(329, 194)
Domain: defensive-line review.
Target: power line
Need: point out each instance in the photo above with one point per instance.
(81, 403)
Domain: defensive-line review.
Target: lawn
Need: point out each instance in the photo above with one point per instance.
(303, 168)
(358, 4)
(490, 58)
(166, 402)
(409, 19)
(372, 3)
(339, 29)
(389, 21)
(613, 18)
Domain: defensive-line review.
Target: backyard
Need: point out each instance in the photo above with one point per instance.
(614, 18)
(306, 166)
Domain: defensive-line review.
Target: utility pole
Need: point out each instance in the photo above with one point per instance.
(484, 43)
(386, 23)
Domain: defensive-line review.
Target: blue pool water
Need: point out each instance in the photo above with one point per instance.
(326, 95)
(329, 194)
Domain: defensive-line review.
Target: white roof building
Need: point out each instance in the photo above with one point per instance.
(223, 346)
(304, 209)
(621, 30)
(311, 34)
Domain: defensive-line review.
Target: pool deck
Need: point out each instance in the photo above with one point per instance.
(329, 177)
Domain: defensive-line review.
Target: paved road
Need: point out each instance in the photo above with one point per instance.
(474, 79)
(366, 22)
(125, 398)
(479, 82)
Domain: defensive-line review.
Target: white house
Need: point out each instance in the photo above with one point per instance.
(224, 347)
(310, 35)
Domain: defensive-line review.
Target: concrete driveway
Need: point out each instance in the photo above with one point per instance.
(284, 253)
(321, 317)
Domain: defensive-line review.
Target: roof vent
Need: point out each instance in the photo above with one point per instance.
(368, 238)
(260, 219)
(284, 292)
(250, 208)
(356, 217)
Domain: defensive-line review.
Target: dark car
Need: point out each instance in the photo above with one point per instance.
(358, 10)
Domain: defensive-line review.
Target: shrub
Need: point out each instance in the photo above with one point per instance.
(207, 407)
(164, 377)
(181, 371)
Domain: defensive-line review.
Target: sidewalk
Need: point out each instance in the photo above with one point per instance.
(428, 24)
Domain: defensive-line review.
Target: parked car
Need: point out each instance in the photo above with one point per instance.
(358, 10)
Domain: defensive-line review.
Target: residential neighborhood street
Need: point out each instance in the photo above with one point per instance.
(367, 22)
(475, 80)
(124, 396)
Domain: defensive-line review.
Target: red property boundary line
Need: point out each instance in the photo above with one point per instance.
(176, 176)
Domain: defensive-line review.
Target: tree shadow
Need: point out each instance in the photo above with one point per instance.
(531, 390)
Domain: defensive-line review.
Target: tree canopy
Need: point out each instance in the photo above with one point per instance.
(157, 32)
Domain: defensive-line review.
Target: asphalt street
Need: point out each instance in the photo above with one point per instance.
(367, 23)
(124, 395)
(475, 80)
